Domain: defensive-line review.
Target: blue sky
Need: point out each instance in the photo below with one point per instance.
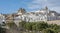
(11, 6)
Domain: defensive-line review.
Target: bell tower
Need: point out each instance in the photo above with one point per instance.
(46, 9)
(47, 12)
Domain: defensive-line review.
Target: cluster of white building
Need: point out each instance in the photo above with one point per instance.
(39, 15)
(34, 16)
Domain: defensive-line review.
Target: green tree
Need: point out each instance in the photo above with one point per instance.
(49, 30)
(28, 26)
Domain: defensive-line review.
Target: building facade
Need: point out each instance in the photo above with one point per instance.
(2, 19)
(39, 15)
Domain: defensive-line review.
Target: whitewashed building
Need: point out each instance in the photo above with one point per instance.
(39, 15)
(2, 19)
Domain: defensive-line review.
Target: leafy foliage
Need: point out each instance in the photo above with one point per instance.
(41, 26)
(49, 30)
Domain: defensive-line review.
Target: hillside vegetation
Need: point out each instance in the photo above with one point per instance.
(33, 27)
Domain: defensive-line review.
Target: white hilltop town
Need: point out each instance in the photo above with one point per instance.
(44, 14)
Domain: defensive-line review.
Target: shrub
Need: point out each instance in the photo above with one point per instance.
(49, 30)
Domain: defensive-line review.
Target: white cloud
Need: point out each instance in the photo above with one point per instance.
(35, 4)
(57, 9)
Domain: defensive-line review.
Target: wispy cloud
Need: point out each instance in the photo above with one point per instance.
(52, 4)
(37, 4)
